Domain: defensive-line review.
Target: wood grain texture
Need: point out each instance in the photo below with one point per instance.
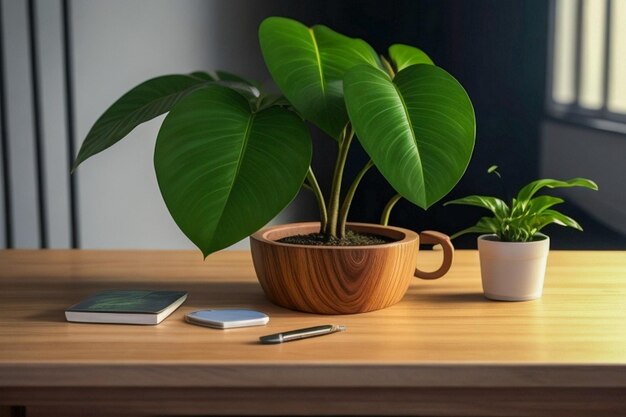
(431, 237)
(339, 279)
(442, 350)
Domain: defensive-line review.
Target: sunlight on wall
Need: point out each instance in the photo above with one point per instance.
(564, 52)
(580, 66)
(592, 58)
(585, 136)
(617, 67)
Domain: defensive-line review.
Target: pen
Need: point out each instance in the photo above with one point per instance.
(301, 333)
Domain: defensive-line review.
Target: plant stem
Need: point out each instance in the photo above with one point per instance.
(347, 201)
(335, 192)
(384, 219)
(314, 186)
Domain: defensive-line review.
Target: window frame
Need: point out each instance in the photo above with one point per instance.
(574, 113)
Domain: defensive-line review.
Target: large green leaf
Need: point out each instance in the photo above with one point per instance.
(144, 102)
(308, 65)
(404, 56)
(225, 171)
(418, 129)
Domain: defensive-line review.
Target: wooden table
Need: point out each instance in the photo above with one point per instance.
(444, 350)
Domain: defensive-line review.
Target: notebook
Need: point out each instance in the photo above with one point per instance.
(126, 307)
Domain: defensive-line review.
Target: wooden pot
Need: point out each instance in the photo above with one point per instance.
(341, 279)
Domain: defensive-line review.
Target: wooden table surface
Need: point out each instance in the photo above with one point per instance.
(443, 350)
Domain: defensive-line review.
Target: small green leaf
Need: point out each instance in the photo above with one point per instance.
(144, 102)
(484, 225)
(249, 89)
(493, 170)
(269, 100)
(553, 216)
(542, 203)
(404, 56)
(202, 75)
(225, 171)
(527, 215)
(493, 204)
(528, 191)
(250, 92)
(228, 76)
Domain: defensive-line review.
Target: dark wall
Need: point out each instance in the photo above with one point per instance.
(498, 51)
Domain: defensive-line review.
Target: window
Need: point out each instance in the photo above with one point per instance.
(587, 77)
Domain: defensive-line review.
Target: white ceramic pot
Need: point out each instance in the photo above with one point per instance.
(513, 271)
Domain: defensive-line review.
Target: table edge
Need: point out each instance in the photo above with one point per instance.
(317, 375)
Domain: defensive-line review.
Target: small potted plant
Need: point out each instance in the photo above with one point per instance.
(230, 156)
(513, 253)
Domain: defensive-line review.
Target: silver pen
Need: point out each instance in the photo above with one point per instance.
(301, 333)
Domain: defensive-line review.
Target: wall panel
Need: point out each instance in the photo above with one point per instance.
(19, 123)
(54, 132)
(4, 214)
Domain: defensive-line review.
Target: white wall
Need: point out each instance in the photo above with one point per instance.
(116, 44)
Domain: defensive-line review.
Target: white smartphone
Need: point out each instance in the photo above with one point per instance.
(228, 318)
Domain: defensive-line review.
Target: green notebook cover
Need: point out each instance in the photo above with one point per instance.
(128, 301)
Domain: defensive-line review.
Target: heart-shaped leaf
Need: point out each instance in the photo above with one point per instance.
(225, 171)
(144, 102)
(418, 129)
(404, 56)
(308, 65)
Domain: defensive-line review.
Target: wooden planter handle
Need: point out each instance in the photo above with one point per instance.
(430, 237)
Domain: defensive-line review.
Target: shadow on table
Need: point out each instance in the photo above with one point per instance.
(465, 297)
(201, 295)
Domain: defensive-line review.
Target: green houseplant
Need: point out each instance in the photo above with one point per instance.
(513, 251)
(229, 156)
